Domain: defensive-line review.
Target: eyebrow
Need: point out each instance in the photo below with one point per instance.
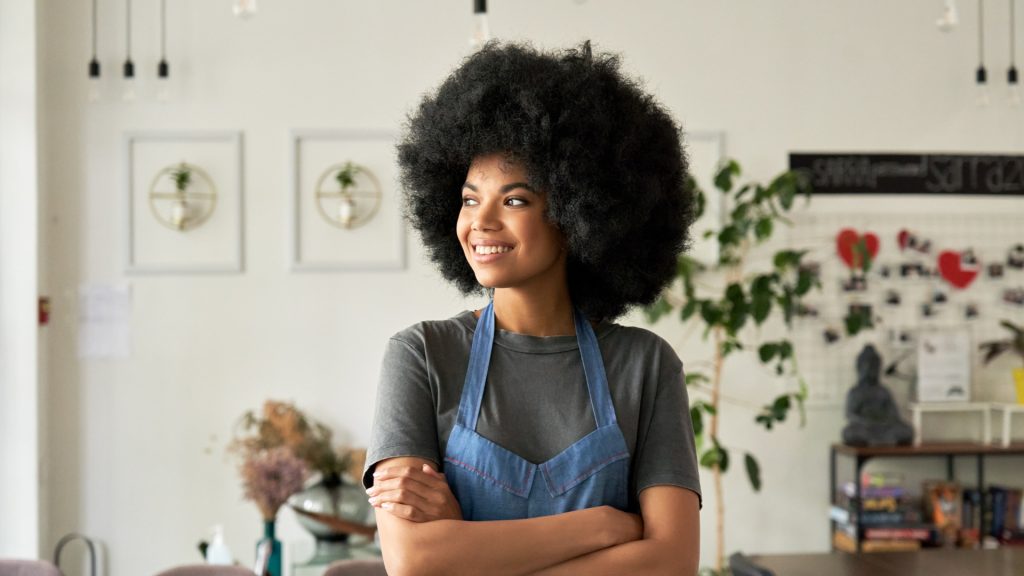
(506, 188)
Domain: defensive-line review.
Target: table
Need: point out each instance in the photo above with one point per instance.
(942, 562)
(304, 559)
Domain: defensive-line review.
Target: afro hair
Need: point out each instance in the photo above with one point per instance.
(606, 154)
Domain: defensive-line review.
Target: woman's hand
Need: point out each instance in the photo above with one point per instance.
(415, 494)
(622, 527)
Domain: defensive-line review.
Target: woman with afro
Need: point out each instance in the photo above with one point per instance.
(536, 436)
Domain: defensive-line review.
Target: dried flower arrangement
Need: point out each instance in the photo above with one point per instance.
(278, 450)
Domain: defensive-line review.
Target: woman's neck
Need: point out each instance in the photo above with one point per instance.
(546, 314)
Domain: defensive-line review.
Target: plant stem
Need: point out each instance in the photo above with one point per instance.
(717, 471)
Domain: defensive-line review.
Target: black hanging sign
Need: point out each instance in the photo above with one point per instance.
(912, 173)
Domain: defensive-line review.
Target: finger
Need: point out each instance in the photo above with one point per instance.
(403, 472)
(410, 476)
(402, 511)
(421, 484)
(406, 497)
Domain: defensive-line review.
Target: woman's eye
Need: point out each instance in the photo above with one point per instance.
(466, 201)
(513, 201)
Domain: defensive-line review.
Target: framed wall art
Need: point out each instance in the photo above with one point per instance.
(184, 202)
(345, 207)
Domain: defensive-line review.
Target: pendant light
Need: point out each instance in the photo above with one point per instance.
(244, 8)
(1011, 73)
(128, 93)
(949, 18)
(94, 64)
(481, 31)
(981, 75)
(163, 70)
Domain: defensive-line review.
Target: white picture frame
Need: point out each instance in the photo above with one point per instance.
(216, 247)
(316, 245)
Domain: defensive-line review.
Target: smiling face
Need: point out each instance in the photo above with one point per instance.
(503, 229)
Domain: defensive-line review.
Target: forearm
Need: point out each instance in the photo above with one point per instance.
(648, 557)
(502, 547)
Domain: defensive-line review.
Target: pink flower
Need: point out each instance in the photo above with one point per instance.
(270, 477)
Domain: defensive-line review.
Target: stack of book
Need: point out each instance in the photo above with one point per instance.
(1007, 515)
(886, 518)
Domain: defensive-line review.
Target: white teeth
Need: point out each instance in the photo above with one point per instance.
(492, 249)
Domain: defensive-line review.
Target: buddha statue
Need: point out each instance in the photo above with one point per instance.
(873, 419)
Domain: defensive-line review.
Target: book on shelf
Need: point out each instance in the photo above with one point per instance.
(925, 533)
(845, 515)
(843, 541)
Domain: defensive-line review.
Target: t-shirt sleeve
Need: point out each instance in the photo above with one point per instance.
(666, 454)
(404, 422)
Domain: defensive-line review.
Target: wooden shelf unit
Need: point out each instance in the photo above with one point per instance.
(948, 450)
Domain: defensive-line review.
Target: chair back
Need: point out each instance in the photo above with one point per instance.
(742, 565)
(11, 567)
(207, 570)
(366, 567)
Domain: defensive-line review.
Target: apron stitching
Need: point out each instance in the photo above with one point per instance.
(591, 469)
(485, 475)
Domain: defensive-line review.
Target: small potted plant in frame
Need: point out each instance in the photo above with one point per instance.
(1013, 344)
(182, 177)
(346, 178)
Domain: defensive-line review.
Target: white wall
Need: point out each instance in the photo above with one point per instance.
(19, 383)
(137, 446)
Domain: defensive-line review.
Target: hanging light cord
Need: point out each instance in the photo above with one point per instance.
(163, 30)
(1013, 39)
(93, 29)
(128, 27)
(981, 33)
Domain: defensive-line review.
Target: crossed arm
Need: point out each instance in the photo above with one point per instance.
(422, 532)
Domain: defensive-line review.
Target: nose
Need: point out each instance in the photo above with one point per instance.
(485, 217)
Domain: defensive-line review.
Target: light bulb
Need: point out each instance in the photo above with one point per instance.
(346, 210)
(481, 30)
(981, 98)
(163, 81)
(94, 80)
(245, 8)
(949, 18)
(128, 92)
(1013, 87)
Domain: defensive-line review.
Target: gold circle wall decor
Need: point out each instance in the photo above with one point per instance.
(182, 208)
(348, 207)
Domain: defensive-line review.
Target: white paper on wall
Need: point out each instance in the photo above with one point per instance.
(104, 321)
(944, 366)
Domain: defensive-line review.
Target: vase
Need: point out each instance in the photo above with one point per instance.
(273, 545)
(1018, 380)
(334, 495)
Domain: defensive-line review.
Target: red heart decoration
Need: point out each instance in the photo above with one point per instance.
(903, 238)
(848, 239)
(953, 272)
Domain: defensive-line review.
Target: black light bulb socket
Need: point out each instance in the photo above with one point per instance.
(479, 6)
(129, 69)
(163, 70)
(94, 68)
(980, 76)
(1011, 76)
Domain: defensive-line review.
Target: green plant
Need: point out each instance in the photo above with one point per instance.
(1014, 344)
(728, 300)
(182, 177)
(346, 177)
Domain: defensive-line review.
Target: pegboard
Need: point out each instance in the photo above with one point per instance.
(926, 301)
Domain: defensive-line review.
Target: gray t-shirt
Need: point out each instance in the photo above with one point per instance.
(535, 402)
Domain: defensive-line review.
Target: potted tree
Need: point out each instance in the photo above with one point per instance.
(1013, 344)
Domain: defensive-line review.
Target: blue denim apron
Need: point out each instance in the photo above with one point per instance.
(492, 483)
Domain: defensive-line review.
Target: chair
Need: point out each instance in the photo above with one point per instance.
(741, 565)
(356, 568)
(207, 570)
(9, 567)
